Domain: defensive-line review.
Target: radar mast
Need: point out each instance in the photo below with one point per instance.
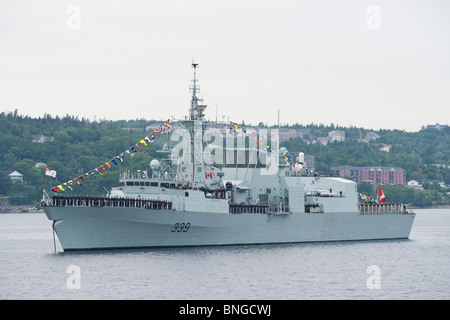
(196, 111)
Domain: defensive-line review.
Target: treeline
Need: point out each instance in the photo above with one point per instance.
(81, 145)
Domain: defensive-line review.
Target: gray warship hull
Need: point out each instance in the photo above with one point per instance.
(81, 228)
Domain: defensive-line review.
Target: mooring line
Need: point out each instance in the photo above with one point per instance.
(54, 240)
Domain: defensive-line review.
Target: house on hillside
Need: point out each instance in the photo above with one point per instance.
(39, 138)
(385, 147)
(16, 176)
(437, 126)
(371, 136)
(336, 135)
(414, 184)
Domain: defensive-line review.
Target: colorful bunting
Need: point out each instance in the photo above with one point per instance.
(66, 185)
(166, 126)
(148, 140)
(161, 128)
(137, 145)
(364, 197)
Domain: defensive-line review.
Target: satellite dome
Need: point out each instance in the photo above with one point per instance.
(155, 165)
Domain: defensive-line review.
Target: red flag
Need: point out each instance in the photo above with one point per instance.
(381, 194)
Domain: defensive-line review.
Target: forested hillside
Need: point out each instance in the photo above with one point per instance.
(80, 145)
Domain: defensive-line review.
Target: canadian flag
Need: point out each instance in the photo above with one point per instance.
(208, 175)
(49, 172)
(381, 194)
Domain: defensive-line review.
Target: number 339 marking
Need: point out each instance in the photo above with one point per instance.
(181, 227)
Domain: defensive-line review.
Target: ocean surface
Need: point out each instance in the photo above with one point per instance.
(417, 268)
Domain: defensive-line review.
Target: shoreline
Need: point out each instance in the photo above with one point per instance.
(435, 207)
(20, 209)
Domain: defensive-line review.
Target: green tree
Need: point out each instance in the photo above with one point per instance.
(366, 188)
(5, 183)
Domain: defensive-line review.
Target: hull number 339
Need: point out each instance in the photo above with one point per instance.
(181, 227)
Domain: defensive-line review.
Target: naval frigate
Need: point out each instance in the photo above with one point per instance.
(222, 186)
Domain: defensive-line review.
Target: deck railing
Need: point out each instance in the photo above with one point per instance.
(237, 208)
(122, 202)
(383, 208)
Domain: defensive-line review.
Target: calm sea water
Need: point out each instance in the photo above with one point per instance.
(417, 268)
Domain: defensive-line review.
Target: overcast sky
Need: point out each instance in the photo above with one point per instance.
(372, 64)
